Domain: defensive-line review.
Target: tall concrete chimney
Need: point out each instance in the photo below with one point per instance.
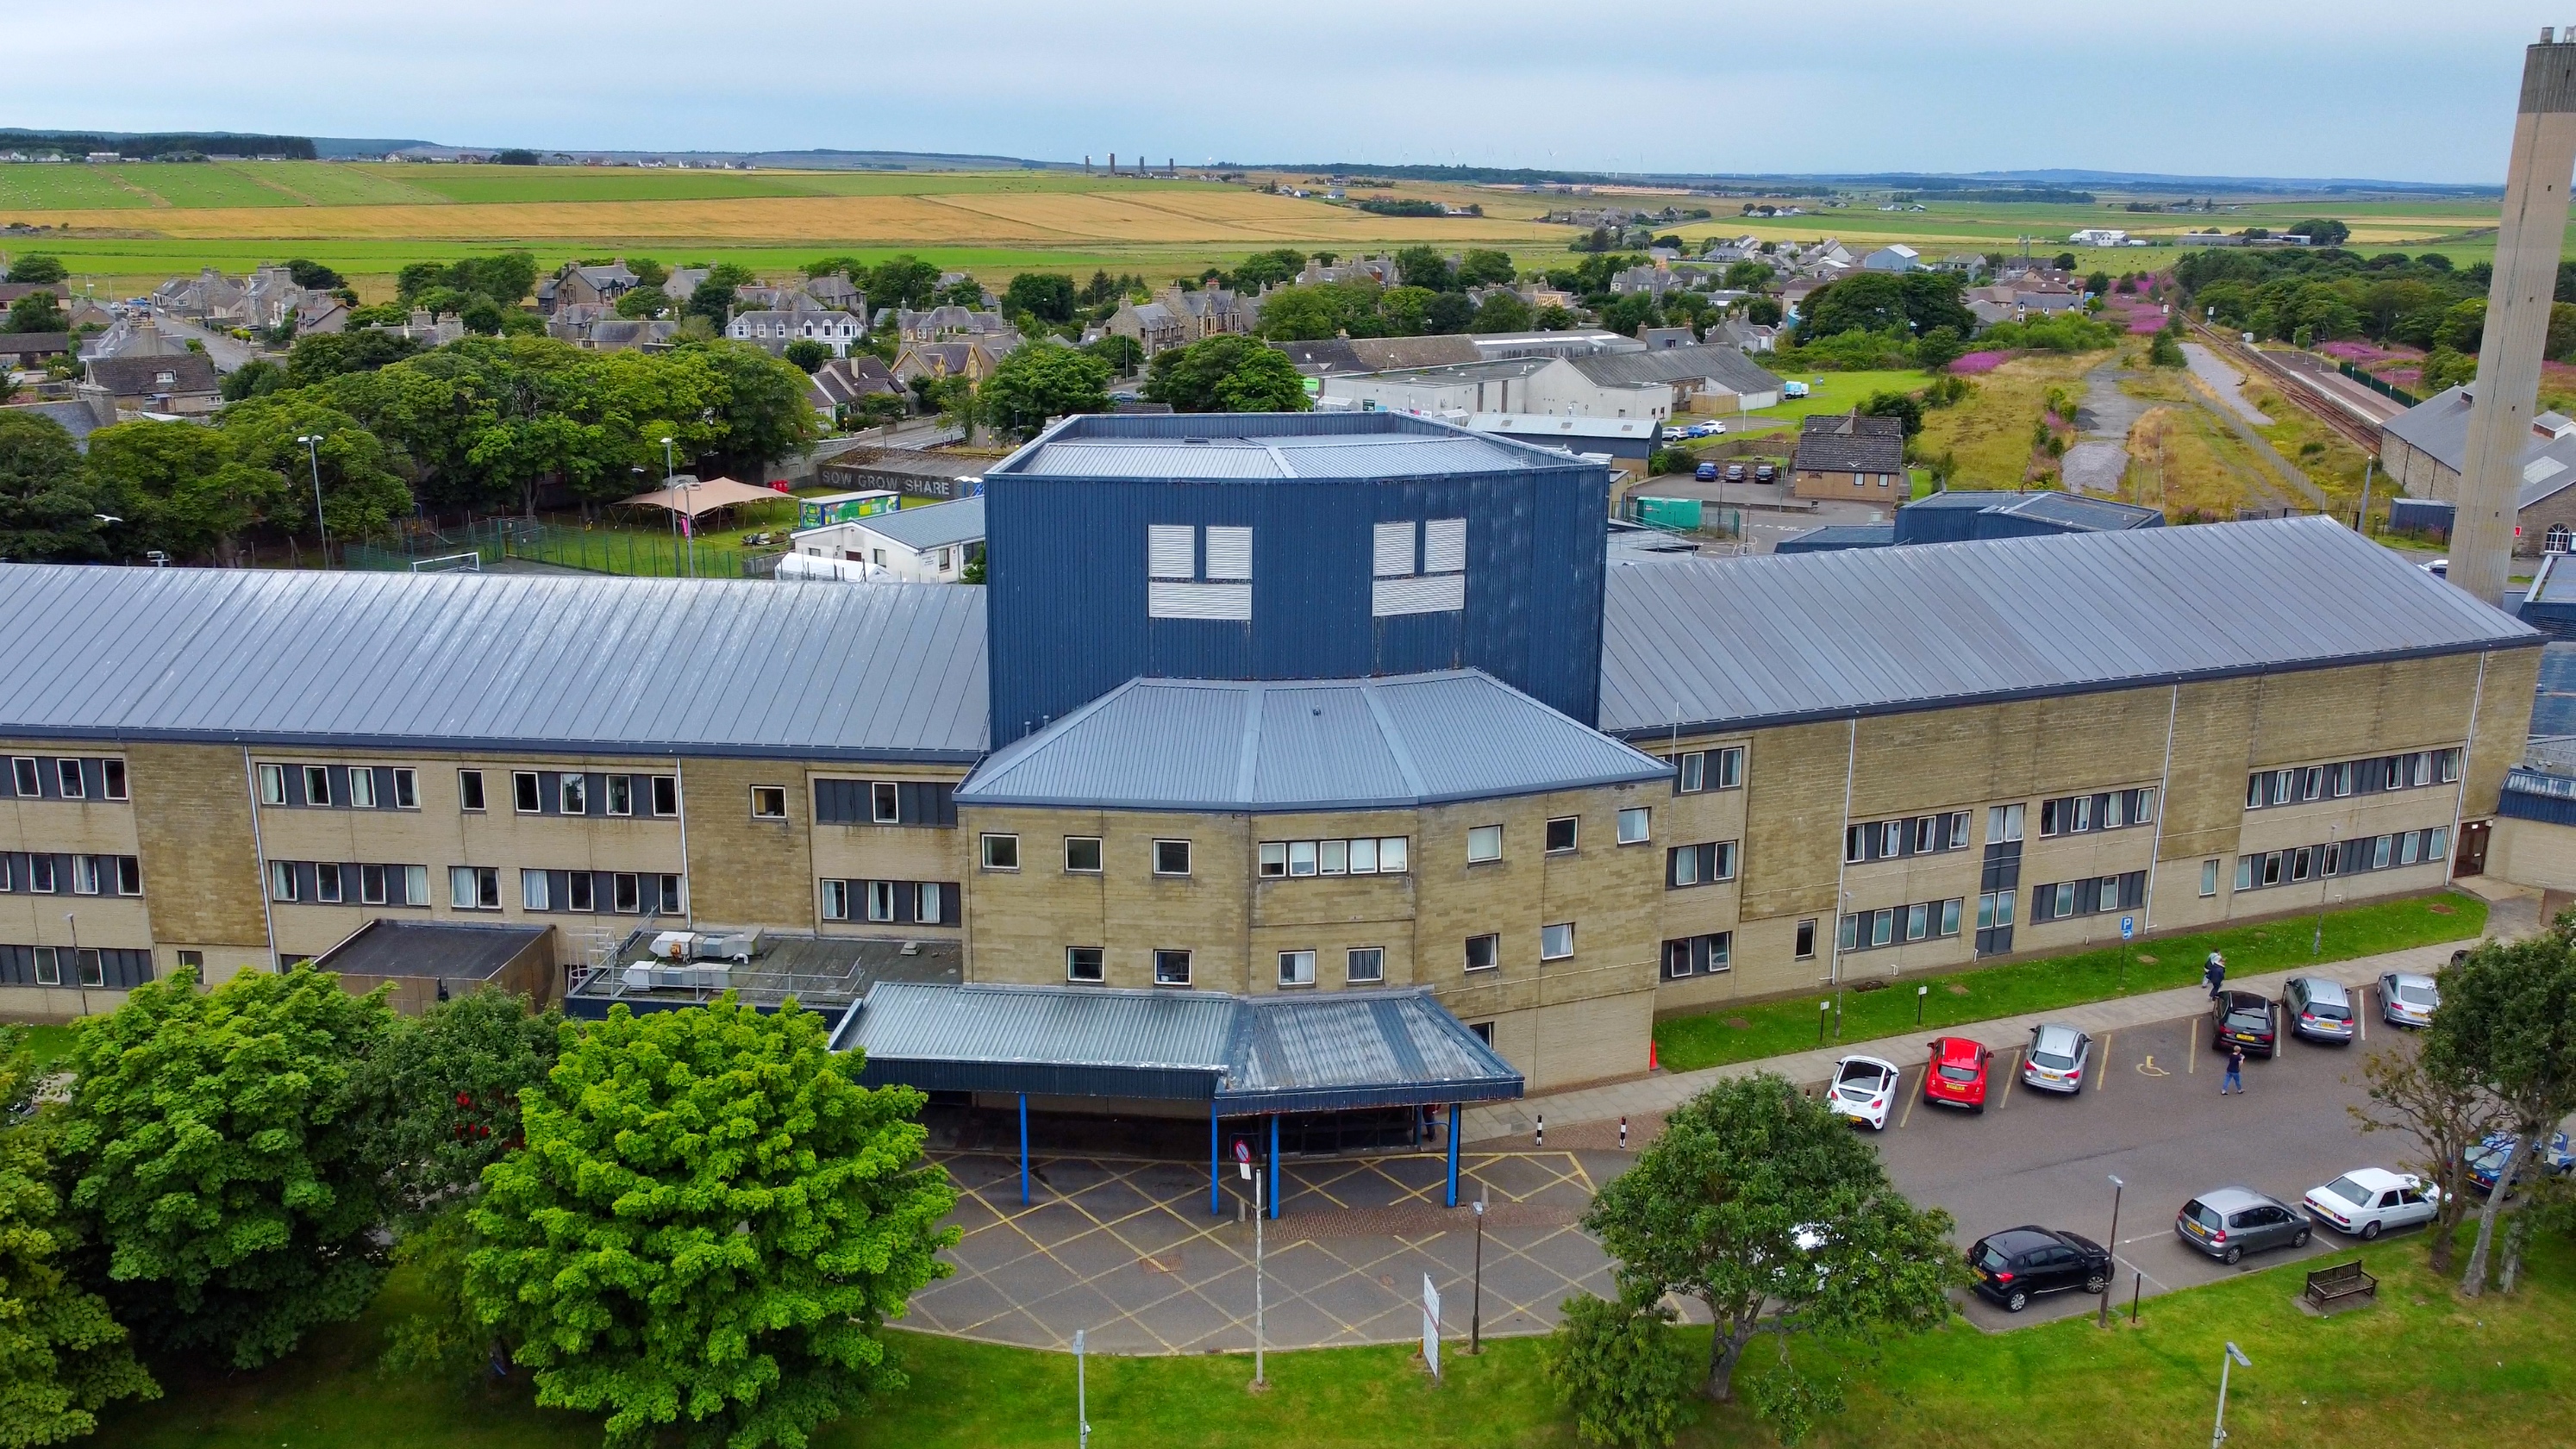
(2526, 279)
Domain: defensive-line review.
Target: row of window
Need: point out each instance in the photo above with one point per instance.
(1911, 835)
(1382, 855)
(532, 792)
(1697, 865)
(883, 802)
(2114, 810)
(1361, 965)
(2267, 788)
(67, 778)
(472, 887)
(111, 968)
(1922, 920)
(2337, 857)
(82, 875)
(896, 902)
(1718, 769)
(2094, 895)
(1702, 955)
(1082, 854)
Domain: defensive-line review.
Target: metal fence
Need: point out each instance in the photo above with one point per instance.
(2376, 385)
(492, 541)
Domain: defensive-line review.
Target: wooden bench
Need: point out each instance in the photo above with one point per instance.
(2334, 1287)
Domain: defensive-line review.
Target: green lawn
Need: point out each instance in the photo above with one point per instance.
(49, 1043)
(2418, 1369)
(1830, 392)
(1753, 1030)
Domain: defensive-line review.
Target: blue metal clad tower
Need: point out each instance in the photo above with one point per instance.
(1288, 546)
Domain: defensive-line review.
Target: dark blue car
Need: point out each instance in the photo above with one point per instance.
(1705, 472)
(2487, 1159)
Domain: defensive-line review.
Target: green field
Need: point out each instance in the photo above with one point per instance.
(1754, 1030)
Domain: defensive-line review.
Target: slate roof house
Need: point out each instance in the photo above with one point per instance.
(578, 283)
(181, 383)
(1850, 456)
(773, 330)
(2424, 447)
(846, 380)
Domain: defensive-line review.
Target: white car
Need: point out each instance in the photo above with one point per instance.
(2408, 999)
(1863, 1089)
(2057, 1059)
(2369, 1200)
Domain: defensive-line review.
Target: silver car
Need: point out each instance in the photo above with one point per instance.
(2408, 999)
(2057, 1059)
(2229, 1222)
(2318, 1008)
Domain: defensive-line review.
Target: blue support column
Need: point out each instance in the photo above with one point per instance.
(1024, 1149)
(1451, 1198)
(1274, 1167)
(1216, 1196)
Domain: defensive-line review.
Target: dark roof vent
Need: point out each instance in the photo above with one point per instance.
(1202, 442)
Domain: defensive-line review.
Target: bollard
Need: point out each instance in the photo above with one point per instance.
(1538, 1136)
(1623, 1134)
(1920, 992)
(2135, 1288)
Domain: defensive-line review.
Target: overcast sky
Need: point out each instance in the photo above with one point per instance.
(2394, 89)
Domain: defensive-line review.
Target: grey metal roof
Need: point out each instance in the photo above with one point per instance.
(1224, 447)
(1839, 535)
(75, 418)
(2439, 427)
(1336, 744)
(388, 946)
(1724, 366)
(1776, 638)
(653, 667)
(2075, 510)
(937, 526)
(1338, 1050)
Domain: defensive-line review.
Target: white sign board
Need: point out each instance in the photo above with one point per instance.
(1431, 1325)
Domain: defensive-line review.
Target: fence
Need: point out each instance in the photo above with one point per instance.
(2385, 390)
(594, 550)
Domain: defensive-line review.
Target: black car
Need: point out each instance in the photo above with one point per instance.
(2241, 1018)
(2017, 1264)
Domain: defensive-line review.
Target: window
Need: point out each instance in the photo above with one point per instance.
(2379, 848)
(1171, 857)
(929, 902)
(1485, 952)
(1332, 857)
(1555, 943)
(129, 875)
(415, 885)
(885, 802)
(523, 791)
(40, 874)
(362, 788)
(1391, 855)
(1301, 857)
(768, 802)
(666, 794)
(371, 885)
(84, 875)
(1950, 916)
(1698, 955)
(1365, 856)
(2062, 902)
(192, 961)
(626, 893)
(281, 880)
(474, 887)
(2339, 779)
(2312, 782)
(469, 789)
(533, 894)
(406, 789)
(114, 783)
(1171, 968)
(577, 891)
(1366, 965)
(1995, 908)
(67, 774)
(1560, 834)
(49, 966)
(1690, 865)
(2446, 762)
(2208, 878)
(1635, 824)
(1484, 842)
(1082, 963)
(880, 900)
(572, 795)
(1296, 968)
(2407, 844)
(272, 782)
(674, 899)
(1697, 770)
(326, 883)
(2003, 823)
(1274, 858)
(317, 784)
(1806, 945)
(621, 794)
(1082, 854)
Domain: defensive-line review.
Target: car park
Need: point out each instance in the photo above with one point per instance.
(2368, 1201)
(1705, 472)
(1956, 1075)
(1764, 473)
(1863, 1089)
(2318, 1008)
(2057, 1059)
(2241, 1018)
(2229, 1222)
(2552, 1158)
(2018, 1264)
(2407, 998)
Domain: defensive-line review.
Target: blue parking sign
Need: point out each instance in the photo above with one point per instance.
(2128, 927)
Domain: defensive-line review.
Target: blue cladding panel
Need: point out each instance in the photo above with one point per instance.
(1068, 591)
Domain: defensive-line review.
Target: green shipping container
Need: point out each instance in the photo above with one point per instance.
(1682, 513)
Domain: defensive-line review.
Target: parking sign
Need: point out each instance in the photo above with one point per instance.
(2128, 927)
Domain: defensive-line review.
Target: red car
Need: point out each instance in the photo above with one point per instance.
(1957, 1074)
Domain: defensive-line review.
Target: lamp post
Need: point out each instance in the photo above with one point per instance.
(2317, 939)
(78, 980)
(2218, 1431)
(313, 454)
(670, 485)
(1476, 1302)
(2114, 1246)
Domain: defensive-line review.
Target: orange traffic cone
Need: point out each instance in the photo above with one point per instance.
(1650, 1055)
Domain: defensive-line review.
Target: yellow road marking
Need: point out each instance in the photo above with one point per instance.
(1908, 1114)
(2103, 1049)
(2011, 1075)
(2191, 1051)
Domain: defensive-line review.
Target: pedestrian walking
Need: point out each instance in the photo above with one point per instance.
(2235, 1081)
(2216, 974)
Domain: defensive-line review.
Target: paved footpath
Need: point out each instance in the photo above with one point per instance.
(1644, 1100)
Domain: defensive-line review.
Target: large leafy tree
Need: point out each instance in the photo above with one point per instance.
(1042, 381)
(37, 312)
(37, 267)
(762, 410)
(1759, 1202)
(62, 1356)
(710, 1225)
(1229, 373)
(1046, 295)
(1880, 301)
(1623, 1370)
(180, 489)
(221, 1154)
(360, 494)
(49, 505)
(1483, 267)
(1264, 381)
(450, 1083)
(2433, 1102)
(1268, 269)
(2508, 1023)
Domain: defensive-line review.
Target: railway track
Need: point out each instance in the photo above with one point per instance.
(2292, 385)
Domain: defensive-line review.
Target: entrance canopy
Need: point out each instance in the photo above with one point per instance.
(1244, 1056)
(697, 498)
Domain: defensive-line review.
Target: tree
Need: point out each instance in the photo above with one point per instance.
(37, 267)
(179, 488)
(1300, 314)
(49, 505)
(451, 1081)
(1878, 301)
(806, 354)
(1401, 311)
(1759, 1202)
(1044, 380)
(2508, 1023)
(62, 1356)
(313, 275)
(1124, 354)
(1629, 314)
(330, 354)
(1938, 348)
(2444, 1113)
(1552, 318)
(360, 494)
(2098, 283)
(1264, 381)
(1449, 312)
(1483, 267)
(220, 1154)
(1424, 267)
(1747, 275)
(642, 303)
(37, 312)
(712, 1222)
(1501, 312)
(964, 292)
(1266, 269)
(1048, 296)
(1623, 1371)
(2165, 351)
(2063, 261)
(906, 281)
(1195, 379)
(1901, 405)
(2322, 232)
(1764, 311)
(713, 301)
(761, 408)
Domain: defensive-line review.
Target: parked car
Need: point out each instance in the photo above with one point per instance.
(1713, 429)
(1734, 472)
(2018, 1264)
(1956, 1075)
(2408, 999)
(1863, 1088)
(2487, 1159)
(2368, 1201)
(1764, 473)
(1705, 472)
(2241, 1018)
(2318, 1008)
(2230, 1222)
(2056, 1060)
(2439, 568)
(1793, 388)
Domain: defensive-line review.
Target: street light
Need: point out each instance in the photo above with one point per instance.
(2218, 1431)
(1476, 1304)
(670, 485)
(2110, 1269)
(79, 978)
(313, 454)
